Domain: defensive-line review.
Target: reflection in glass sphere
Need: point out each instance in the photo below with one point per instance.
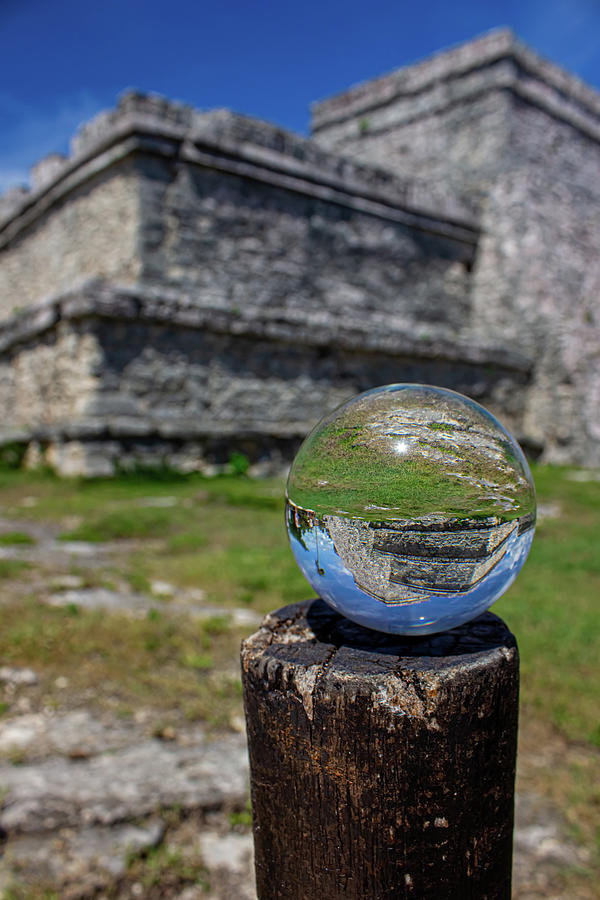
(410, 509)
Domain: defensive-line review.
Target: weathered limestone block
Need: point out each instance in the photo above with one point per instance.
(188, 276)
(112, 377)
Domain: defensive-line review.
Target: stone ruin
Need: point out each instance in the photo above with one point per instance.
(186, 284)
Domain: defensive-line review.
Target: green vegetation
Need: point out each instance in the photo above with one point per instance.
(239, 463)
(242, 818)
(15, 537)
(440, 426)
(156, 660)
(553, 607)
(10, 568)
(356, 480)
(167, 867)
(124, 523)
(12, 454)
(28, 892)
(226, 537)
(355, 466)
(358, 483)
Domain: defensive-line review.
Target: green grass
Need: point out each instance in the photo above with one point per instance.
(11, 568)
(553, 608)
(165, 866)
(126, 523)
(10, 538)
(226, 536)
(186, 541)
(347, 469)
(168, 663)
(440, 426)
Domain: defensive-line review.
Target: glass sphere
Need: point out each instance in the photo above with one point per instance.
(410, 509)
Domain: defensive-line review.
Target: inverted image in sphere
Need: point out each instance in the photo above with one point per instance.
(410, 509)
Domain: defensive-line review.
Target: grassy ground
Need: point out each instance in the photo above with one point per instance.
(553, 607)
(353, 464)
(226, 536)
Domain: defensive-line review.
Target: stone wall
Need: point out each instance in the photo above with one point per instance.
(235, 213)
(519, 140)
(452, 144)
(206, 280)
(90, 232)
(50, 378)
(536, 281)
(92, 213)
(234, 244)
(116, 377)
(450, 119)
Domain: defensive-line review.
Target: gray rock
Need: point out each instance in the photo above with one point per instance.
(162, 588)
(17, 676)
(139, 604)
(227, 851)
(124, 784)
(229, 857)
(541, 847)
(90, 857)
(548, 511)
(77, 734)
(584, 475)
(102, 598)
(67, 582)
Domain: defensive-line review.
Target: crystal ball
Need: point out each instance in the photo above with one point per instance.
(410, 509)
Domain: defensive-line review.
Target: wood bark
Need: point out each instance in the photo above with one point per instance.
(381, 766)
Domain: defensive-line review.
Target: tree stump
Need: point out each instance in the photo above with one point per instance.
(381, 766)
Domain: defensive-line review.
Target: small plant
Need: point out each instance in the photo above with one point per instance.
(441, 426)
(257, 581)
(124, 524)
(216, 625)
(363, 126)
(165, 865)
(15, 537)
(238, 463)
(10, 568)
(17, 756)
(201, 661)
(186, 542)
(12, 455)
(138, 581)
(241, 817)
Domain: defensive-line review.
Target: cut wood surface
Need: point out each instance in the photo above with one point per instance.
(381, 766)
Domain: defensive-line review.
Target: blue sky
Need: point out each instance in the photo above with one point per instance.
(61, 61)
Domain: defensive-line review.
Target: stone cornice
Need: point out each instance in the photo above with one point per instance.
(496, 61)
(103, 300)
(236, 145)
(176, 428)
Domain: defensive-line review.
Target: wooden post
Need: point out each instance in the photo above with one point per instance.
(381, 766)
